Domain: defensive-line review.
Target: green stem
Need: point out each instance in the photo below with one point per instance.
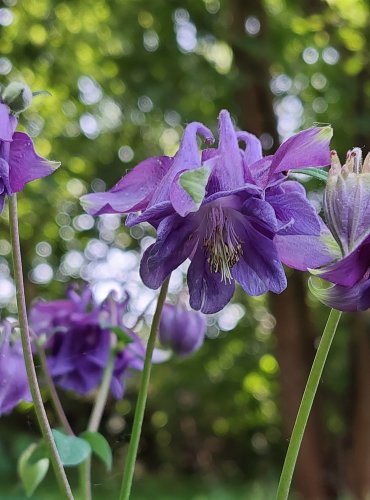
(27, 353)
(306, 404)
(142, 397)
(57, 405)
(98, 409)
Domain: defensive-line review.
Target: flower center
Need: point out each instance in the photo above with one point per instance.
(222, 245)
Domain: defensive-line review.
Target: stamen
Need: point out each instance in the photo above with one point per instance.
(223, 246)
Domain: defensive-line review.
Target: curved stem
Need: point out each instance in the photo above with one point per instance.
(142, 397)
(27, 353)
(57, 405)
(306, 404)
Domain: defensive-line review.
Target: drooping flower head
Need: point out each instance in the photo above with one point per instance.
(79, 340)
(347, 213)
(19, 163)
(181, 330)
(13, 378)
(223, 213)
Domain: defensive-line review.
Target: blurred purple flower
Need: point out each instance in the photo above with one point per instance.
(222, 209)
(79, 341)
(19, 163)
(347, 253)
(13, 378)
(181, 330)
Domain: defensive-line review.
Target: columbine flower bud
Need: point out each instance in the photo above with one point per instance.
(17, 96)
(181, 330)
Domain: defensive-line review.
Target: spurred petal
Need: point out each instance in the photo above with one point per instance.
(260, 214)
(174, 244)
(293, 210)
(187, 158)
(133, 192)
(228, 172)
(305, 252)
(309, 148)
(8, 123)
(207, 292)
(253, 150)
(25, 165)
(154, 215)
(259, 269)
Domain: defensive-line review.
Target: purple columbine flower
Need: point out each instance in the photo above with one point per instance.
(223, 213)
(13, 378)
(19, 163)
(346, 254)
(79, 341)
(181, 330)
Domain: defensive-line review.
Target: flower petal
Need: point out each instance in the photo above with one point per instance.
(306, 252)
(309, 148)
(173, 246)
(259, 269)
(253, 150)
(350, 269)
(293, 210)
(8, 123)
(133, 192)
(25, 165)
(208, 293)
(338, 297)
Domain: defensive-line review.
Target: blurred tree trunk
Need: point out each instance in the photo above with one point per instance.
(294, 327)
(359, 468)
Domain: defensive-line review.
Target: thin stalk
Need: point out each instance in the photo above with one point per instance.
(142, 397)
(27, 353)
(306, 404)
(55, 401)
(98, 409)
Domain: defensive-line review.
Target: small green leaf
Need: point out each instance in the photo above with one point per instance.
(317, 173)
(41, 92)
(72, 450)
(31, 474)
(99, 446)
(194, 183)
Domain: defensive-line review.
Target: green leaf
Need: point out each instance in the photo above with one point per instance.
(31, 474)
(72, 450)
(194, 183)
(317, 173)
(99, 446)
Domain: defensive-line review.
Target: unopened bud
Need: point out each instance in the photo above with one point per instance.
(17, 96)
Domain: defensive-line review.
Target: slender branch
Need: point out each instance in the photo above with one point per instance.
(27, 352)
(306, 404)
(57, 405)
(142, 397)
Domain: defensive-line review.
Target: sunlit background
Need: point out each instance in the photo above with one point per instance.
(125, 77)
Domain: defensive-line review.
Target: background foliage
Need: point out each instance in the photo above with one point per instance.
(125, 77)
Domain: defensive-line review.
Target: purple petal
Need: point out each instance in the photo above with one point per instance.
(305, 252)
(261, 214)
(228, 172)
(342, 298)
(293, 210)
(8, 123)
(4, 176)
(133, 192)
(186, 158)
(347, 208)
(208, 293)
(309, 148)
(350, 269)
(25, 165)
(253, 150)
(173, 246)
(259, 171)
(259, 269)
